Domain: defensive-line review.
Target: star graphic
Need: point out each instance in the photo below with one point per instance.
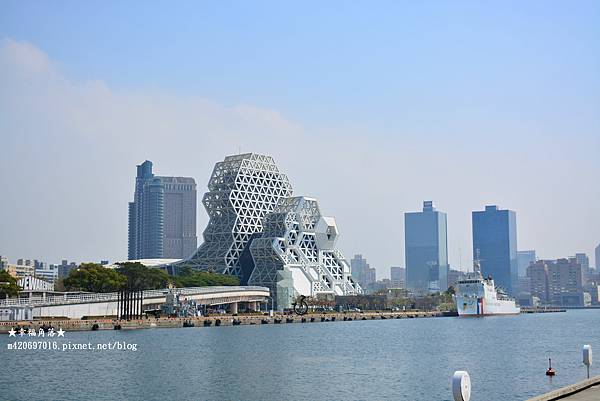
(12, 332)
(60, 332)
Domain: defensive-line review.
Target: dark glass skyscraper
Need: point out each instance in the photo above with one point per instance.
(162, 216)
(426, 249)
(495, 245)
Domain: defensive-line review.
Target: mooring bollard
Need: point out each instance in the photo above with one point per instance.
(461, 386)
(587, 358)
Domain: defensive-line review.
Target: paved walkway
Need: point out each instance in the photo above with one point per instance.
(574, 392)
(589, 394)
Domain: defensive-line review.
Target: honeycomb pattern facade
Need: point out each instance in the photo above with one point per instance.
(299, 243)
(241, 191)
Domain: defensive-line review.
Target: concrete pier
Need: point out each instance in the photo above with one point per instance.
(213, 320)
(585, 390)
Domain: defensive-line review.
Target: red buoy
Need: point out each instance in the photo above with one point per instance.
(550, 371)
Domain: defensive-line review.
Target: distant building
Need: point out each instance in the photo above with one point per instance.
(65, 268)
(556, 282)
(365, 275)
(454, 276)
(597, 252)
(426, 249)
(523, 292)
(24, 267)
(584, 262)
(162, 216)
(47, 272)
(397, 277)
(495, 245)
(524, 259)
(538, 279)
(6, 266)
(3, 262)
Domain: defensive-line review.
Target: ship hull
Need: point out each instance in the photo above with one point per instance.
(471, 306)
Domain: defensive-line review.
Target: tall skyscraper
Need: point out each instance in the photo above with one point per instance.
(426, 249)
(524, 259)
(162, 216)
(598, 258)
(495, 245)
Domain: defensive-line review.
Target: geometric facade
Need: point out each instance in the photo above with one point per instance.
(296, 254)
(241, 191)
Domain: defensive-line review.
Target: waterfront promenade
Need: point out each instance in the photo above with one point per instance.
(214, 320)
(585, 390)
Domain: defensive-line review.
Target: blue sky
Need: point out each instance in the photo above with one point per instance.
(355, 61)
(470, 103)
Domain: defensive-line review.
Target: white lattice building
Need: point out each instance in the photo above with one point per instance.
(242, 190)
(296, 254)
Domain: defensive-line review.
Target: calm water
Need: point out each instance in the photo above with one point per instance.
(361, 360)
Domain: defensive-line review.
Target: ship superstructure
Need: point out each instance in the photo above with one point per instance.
(478, 296)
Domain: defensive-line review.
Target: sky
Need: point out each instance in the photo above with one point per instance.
(371, 107)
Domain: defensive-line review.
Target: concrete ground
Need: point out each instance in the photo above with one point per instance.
(589, 394)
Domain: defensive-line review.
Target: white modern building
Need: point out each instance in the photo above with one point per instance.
(241, 191)
(296, 254)
(258, 232)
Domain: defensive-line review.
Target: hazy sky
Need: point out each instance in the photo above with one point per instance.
(371, 107)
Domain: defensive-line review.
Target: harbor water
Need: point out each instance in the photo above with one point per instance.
(408, 359)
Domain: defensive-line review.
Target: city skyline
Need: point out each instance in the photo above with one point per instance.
(507, 117)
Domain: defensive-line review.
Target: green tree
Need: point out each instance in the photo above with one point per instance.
(140, 277)
(93, 277)
(8, 285)
(188, 277)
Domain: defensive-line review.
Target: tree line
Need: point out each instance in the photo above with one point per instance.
(134, 276)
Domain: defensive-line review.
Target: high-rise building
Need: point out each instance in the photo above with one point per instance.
(241, 191)
(65, 268)
(538, 280)
(162, 216)
(584, 262)
(597, 252)
(397, 277)
(495, 245)
(365, 275)
(524, 259)
(557, 282)
(426, 249)
(296, 254)
(565, 282)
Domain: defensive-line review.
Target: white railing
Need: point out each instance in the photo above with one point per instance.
(114, 296)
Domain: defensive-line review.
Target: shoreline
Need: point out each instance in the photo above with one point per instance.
(212, 320)
(108, 323)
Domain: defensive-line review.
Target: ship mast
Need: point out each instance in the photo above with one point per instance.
(476, 262)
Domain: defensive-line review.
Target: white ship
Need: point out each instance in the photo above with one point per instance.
(478, 296)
